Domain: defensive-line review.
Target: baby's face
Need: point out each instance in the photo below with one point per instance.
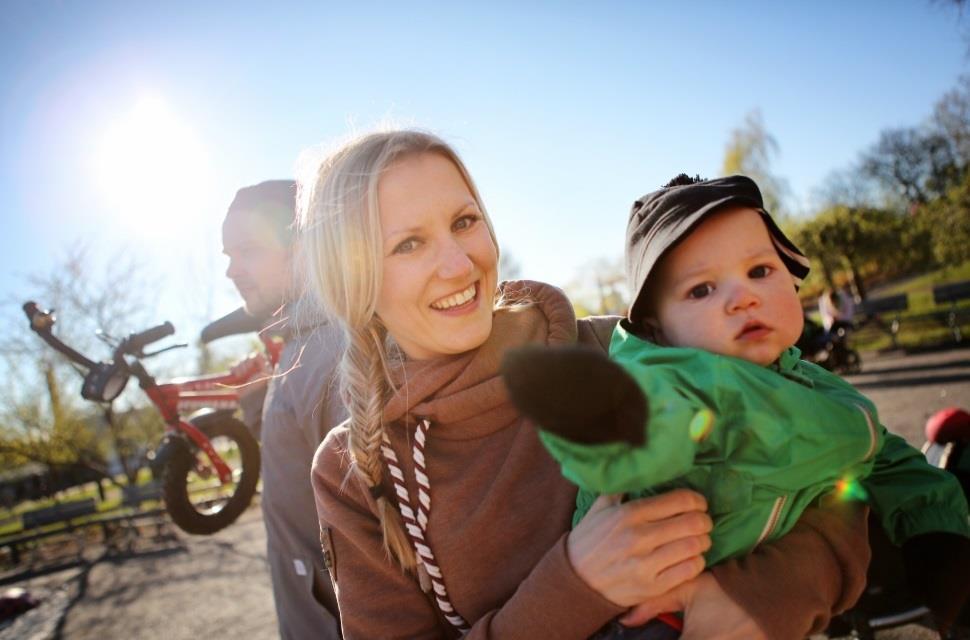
(725, 290)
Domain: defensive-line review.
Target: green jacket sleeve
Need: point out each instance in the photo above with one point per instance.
(911, 497)
(706, 410)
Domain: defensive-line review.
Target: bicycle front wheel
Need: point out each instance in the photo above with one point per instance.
(195, 498)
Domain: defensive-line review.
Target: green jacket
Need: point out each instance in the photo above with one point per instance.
(762, 444)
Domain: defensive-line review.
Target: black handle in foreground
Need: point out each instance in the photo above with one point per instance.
(231, 324)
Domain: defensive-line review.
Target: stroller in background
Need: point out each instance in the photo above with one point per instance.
(829, 349)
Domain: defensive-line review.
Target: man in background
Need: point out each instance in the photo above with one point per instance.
(300, 406)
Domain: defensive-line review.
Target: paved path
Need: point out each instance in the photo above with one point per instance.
(907, 389)
(190, 588)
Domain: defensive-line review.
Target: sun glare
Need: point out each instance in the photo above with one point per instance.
(152, 170)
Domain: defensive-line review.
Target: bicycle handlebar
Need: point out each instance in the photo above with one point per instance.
(232, 323)
(41, 322)
(134, 343)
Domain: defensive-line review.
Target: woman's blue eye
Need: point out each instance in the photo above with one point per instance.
(700, 291)
(464, 222)
(761, 271)
(406, 246)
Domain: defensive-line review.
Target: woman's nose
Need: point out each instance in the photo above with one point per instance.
(453, 261)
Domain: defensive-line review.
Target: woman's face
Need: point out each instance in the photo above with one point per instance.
(439, 261)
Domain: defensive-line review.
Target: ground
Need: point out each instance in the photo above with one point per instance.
(190, 587)
(210, 587)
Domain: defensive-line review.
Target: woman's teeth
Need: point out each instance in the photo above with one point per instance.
(455, 300)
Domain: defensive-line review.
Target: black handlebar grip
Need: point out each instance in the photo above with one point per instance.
(138, 341)
(233, 323)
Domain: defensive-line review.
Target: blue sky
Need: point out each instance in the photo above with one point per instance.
(132, 123)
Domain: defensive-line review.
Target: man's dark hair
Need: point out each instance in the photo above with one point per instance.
(272, 200)
(682, 180)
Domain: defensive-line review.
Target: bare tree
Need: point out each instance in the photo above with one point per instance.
(41, 421)
(750, 151)
(600, 288)
(508, 267)
(951, 119)
(915, 163)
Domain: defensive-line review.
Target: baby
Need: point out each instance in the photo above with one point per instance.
(704, 388)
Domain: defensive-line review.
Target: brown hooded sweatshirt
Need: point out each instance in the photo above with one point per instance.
(501, 511)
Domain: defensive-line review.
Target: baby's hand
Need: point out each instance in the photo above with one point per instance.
(677, 599)
(708, 612)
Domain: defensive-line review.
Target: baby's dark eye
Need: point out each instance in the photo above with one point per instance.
(761, 271)
(700, 291)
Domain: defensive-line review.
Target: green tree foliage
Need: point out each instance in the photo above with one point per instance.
(42, 428)
(905, 207)
(946, 222)
(852, 239)
(750, 150)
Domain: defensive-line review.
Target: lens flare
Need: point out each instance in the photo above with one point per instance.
(701, 424)
(849, 489)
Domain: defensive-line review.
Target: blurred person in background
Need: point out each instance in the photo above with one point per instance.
(837, 308)
(300, 405)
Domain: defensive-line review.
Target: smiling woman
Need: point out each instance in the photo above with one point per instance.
(440, 262)
(149, 159)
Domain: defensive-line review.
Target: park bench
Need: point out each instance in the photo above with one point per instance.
(871, 309)
(62, 512)
(951, 294)
(37, 523)
(133, 495)
(130, 514)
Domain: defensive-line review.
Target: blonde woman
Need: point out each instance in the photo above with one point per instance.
(441, 513)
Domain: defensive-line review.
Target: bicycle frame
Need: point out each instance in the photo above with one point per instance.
(217, 391)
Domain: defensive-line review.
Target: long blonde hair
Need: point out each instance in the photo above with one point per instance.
(339, 218)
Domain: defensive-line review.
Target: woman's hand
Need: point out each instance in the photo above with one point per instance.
(633, 552)
(708, 612)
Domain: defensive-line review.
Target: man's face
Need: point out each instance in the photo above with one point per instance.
(259, 263)
(725, 290)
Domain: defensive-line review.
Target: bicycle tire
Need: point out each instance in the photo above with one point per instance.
(195, 515)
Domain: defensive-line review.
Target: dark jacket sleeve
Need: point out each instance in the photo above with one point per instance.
(911, 496)
(793, 586)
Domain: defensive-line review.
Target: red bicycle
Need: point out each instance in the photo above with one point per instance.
(208, 462)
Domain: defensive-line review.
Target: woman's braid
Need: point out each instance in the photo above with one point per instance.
(365, 392)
